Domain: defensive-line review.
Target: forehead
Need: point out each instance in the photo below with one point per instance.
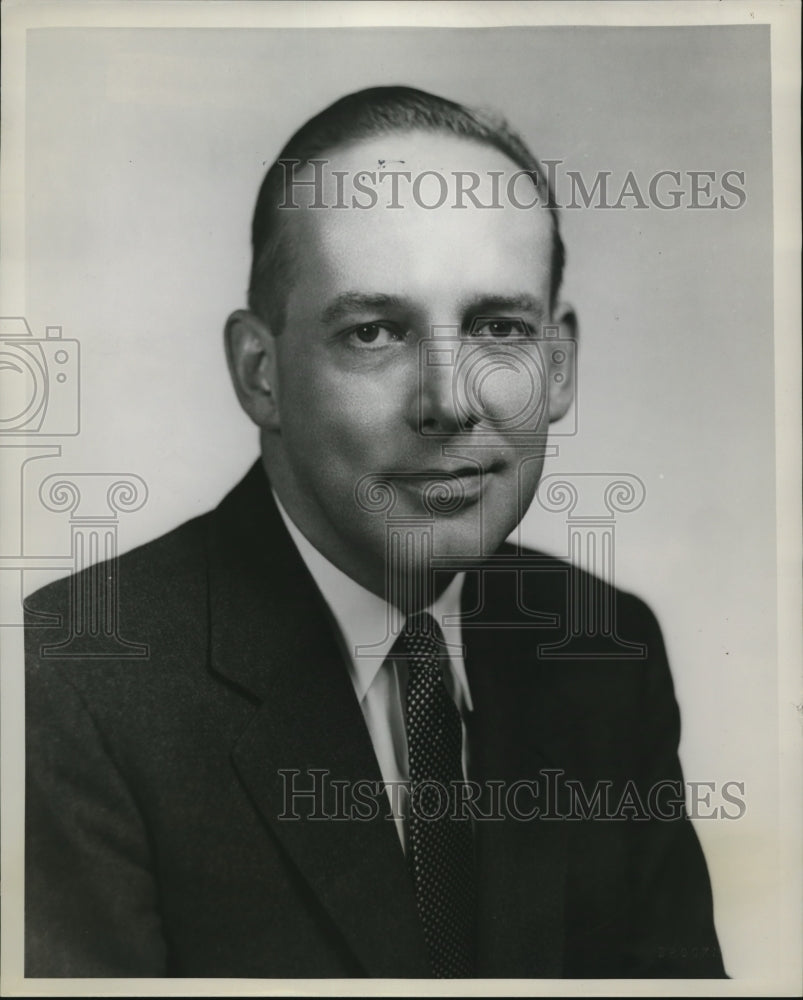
(455, 216)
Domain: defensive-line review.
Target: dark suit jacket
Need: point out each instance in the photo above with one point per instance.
(155, 843)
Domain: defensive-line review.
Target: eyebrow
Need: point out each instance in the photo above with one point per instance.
(348, 303)
(355, 302)
(487, 305)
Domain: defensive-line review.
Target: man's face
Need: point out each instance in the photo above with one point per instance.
(407, 369)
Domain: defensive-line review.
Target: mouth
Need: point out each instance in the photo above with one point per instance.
(465, 473)
(449, 489)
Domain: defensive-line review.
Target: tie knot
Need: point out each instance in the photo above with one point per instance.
(421, 641)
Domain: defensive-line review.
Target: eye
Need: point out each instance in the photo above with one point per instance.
(372, 336)
(500, 329)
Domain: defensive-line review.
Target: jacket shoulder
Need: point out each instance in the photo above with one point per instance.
(143, 590)
(551, 584)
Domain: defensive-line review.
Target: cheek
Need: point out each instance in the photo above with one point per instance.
(342, 419)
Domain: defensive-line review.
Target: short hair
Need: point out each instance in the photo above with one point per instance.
(365, 114)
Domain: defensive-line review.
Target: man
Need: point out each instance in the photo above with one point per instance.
(350, 752)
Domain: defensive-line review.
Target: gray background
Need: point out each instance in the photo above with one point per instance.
(145, 149)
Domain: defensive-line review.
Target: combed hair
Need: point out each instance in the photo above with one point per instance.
(365, 114)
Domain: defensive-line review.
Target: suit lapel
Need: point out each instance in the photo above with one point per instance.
(272, 639)
(522, 862)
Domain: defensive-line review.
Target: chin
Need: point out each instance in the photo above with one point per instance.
(470, 535)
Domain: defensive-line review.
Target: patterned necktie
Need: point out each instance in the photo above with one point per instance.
(440, 846)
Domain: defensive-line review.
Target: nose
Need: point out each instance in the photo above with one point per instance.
(443, 409)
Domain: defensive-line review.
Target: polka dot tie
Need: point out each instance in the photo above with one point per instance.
(439, 844)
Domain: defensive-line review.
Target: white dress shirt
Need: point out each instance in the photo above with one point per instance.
(367, 635)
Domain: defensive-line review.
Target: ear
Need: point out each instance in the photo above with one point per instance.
(561, 360)
(251, 356)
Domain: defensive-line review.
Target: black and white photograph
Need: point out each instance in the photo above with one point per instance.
(400, 542)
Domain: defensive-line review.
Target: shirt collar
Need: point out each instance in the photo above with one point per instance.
(365, 619)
